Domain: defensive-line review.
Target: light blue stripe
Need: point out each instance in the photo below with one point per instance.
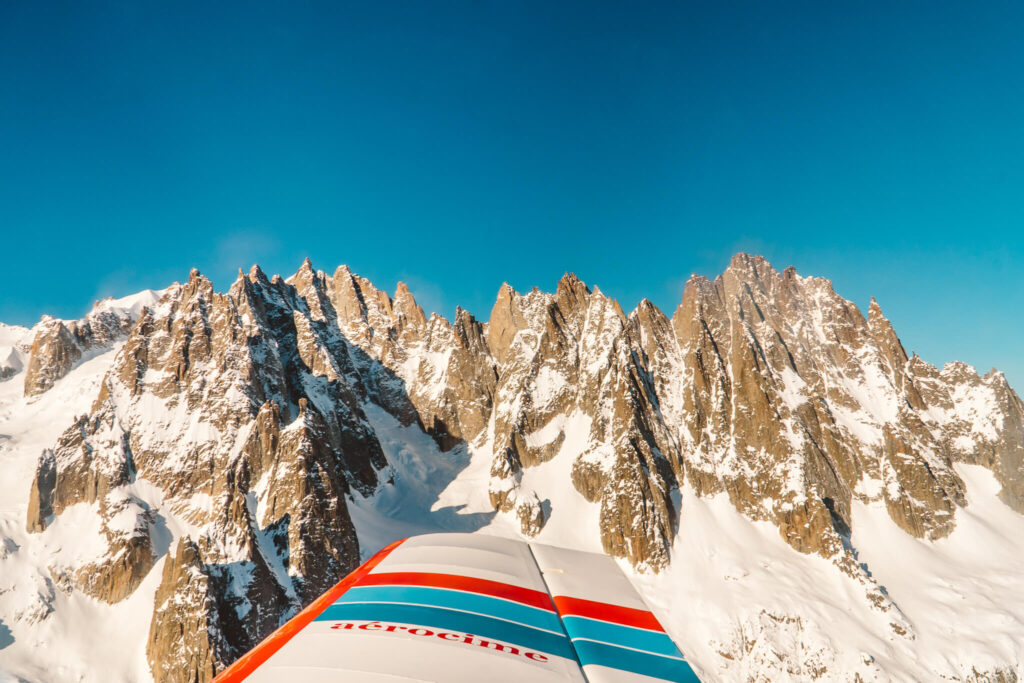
(617, 634)
(664, 668)
(453, 599)
(445, 619)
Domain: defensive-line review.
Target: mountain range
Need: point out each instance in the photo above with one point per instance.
(795, 496)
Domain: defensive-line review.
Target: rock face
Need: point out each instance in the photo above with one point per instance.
(784, 371)
(58, 344)
(247, 410)
(185, 643)
(54, 350)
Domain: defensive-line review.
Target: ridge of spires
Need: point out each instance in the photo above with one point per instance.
(739, 263)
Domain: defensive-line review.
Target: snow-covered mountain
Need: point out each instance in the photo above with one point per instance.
(794, 495)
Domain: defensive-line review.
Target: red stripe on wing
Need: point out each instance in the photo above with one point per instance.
(602, 611)
(526, 596)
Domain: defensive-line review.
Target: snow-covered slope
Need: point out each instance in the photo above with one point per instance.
(14, 344)
(46, 633)
(795, 496)
(747, 608)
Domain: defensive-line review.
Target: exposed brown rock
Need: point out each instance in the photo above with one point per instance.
(131, 555)
(40, 501)
(184, 643)
(57, 345)
(54, 352)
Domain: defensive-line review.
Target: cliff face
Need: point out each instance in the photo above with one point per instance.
(247, 412)
(57, 345)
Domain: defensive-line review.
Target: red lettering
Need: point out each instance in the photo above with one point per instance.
(467, 638)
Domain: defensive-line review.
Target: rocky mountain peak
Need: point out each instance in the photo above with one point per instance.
(198, 286)
(406, 311)
(891, 347)
(505, 321)
(752, 266)
(256, 274)
(571, 291)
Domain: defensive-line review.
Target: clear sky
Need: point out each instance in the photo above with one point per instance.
(456, 145)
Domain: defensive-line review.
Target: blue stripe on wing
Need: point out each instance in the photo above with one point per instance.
(657, 642)
(655, 666)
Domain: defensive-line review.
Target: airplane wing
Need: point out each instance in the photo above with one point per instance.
(464, 608)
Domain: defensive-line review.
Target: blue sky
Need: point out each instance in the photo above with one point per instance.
(457, 145)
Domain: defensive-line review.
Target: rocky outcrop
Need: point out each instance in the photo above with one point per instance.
(54, 351)
(979, 420)
(90, 461)
(185, 639)
(57, 345)
(40, 501)
(248, 411)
